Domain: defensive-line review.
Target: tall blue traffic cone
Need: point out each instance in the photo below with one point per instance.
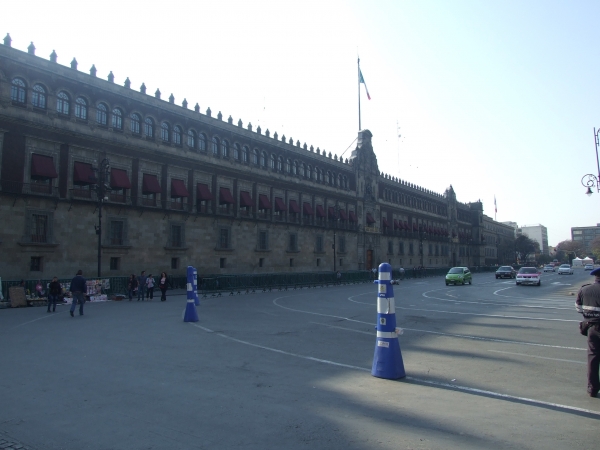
(190, 314)
(387, 361)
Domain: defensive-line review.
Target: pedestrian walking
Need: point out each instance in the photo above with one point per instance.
(588, 304)
(54, 292)
(141, 285)
(162, 285)
(150, 287)
(132, 286)
(78, 289)
(338, 277)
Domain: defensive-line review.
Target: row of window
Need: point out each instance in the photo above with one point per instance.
(414, 202)
(173, 135)
(434, 249)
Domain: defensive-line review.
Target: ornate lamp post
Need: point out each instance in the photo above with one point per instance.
(102, 188)
(590, 180)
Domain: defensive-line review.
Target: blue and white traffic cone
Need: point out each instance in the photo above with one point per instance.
(190, 314)
(196, 299)
(387, 362)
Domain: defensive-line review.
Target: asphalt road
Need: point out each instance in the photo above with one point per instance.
(490, 365)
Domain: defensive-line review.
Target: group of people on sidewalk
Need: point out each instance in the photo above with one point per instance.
(143, 286)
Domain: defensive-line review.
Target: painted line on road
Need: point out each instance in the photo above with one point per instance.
(539, 357)
(498, 395)
(461, 336)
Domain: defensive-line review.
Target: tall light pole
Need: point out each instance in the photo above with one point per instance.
(590, 180)
(102, 188)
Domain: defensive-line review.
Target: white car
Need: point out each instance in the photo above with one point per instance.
(588, 267)
(565, 269)
(528, 275)
(549, 268)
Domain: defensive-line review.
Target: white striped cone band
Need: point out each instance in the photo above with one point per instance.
(387, 334)
(385, 276)
(189, 287)
(386, 305)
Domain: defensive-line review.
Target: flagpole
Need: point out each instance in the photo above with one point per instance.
(358, 78)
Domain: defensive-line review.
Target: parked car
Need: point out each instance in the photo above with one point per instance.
(506, 272)
(528, 275)
(565, 269)
(588, 267)
(549, 268)
(458, 275)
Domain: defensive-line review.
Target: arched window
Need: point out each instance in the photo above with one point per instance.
(340, 181)
(191, 139)
(309, 173)
(273, 162)
(177, 135)
(225, 149)
(318, 175)
(102, 114)
(149, 128)
(165, 132)
(215, 146)
(81, 108)
(38, 99)
(255, 157)
(202, 142)
(288, 166)
(117, 119)
(295, 168)
(263, 159)
(245, 152)
(303, 170)
(236, 151)
(62, 103)
(135, 122)
(18, 91)
(280, 164)
(328, 177)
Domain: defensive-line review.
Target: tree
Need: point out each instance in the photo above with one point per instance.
(525, 247)
(568, 250)
(595, 246)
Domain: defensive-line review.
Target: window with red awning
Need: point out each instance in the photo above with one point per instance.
(42, 167)
(245, 199)
(150, 184)
(307, 208)
(225, 197)
(178, 189)
(83, 175)
(279, 204)
(294, 208)
(119, 179)
(264, 202)
(203, 193)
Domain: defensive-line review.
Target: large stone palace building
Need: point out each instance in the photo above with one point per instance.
(175, 186)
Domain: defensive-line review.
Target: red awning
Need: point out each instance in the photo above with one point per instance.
(83, 174)
(370, 218)
(225, 196)
(396, 224)
(150, 184)
(294, 208)
(343, 215)
(415, 227)
(178, 189)
(405, 225)
(320, 211)
(331, 212)
(264, 202)
(353, 217)
(42, 166)
(279, 205)
(119, 179)
(203, 193)
(245, 199)
(385, 223)
(307, 208)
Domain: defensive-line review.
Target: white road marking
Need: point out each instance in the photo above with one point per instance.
(408, 378)
(461, 336)
(539, 357)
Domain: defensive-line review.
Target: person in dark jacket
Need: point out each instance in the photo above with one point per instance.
(162, 285)
(588, 304)
(55, 290)
(132, 285)
(78, 290)
(142, 285)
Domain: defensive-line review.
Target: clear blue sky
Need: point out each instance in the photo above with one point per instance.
(494, 97)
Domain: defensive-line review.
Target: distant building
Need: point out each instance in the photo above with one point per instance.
(499, 241)
(538, 233)
(513, 225)
(585, 235)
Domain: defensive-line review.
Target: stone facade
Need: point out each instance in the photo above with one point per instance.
(187, 188)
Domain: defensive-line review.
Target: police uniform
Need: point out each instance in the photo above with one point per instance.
(588, 303)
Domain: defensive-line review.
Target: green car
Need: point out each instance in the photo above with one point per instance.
(458, 275)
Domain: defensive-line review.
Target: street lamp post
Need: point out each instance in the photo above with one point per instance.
(102, 188)
(590, 180)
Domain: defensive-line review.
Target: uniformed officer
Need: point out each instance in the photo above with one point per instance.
(588, 303)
